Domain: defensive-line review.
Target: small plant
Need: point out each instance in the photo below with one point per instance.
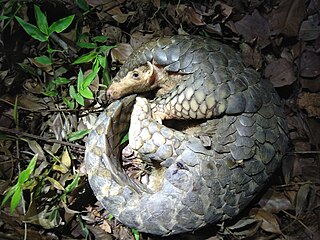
(43, 31)
(15, 192)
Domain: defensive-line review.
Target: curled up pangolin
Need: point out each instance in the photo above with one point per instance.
(204, 173)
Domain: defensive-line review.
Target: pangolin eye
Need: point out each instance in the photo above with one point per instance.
(135, 75)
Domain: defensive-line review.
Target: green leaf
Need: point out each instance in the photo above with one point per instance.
(50, 93)
(86, 93)
(73, 184)
(87, 45)
(102, 61)
(106, 77)
(32, 30)
(82, 4)
(78, 134)
(41, 20)
(72, 92)
(3, 18)
(70, 104)
(15, 112)
(25, 174)
(85, 58)
(61, 24)
(8, 194)
(16, 198)
(80, 80)
(79, 99)
(89, 78)
(61, 81)
(135, 234)
(32, 163)
(125, 138)
(104, 48)
(100, 39)
(43, 60)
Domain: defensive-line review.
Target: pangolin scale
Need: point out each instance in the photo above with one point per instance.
(204, 174)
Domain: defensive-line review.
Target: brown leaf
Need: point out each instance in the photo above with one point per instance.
(310, 28)
(194, 17)
(273, 201)
(138, 38)
(313, 85)
(36, 148)
(121, 52)
(244, 227)
(32, 102)
(280, 72)
(310, 64)
(253, 27)
(269, 222)
(305, 198)
(226, 10)
(251, 57)
(287, 17)
(310, 102)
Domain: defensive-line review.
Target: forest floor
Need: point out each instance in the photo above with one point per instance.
(53, 77)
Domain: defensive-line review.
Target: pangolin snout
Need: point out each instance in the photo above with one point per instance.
(112, 94)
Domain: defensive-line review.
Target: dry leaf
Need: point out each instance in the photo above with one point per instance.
(280, 72)
(226, 10)
(310, 28)
(121, 52)
(305, 198)
(274, 202)
(253, 27)
(30, 101)
(310, 102)
(138, 38)
(194, 17)
(251, 57)
(36, 148)
(310, 64)
(55, 183)
(287, 17)
(65, 159)
(269, 222)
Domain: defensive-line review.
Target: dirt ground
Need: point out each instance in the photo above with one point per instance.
(43, 110)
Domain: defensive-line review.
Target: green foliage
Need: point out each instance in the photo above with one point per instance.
(42, 31)
(96, 56)
(78, 135)
(135, 234)
(15, 192)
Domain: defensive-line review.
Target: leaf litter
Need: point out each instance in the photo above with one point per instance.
(280, 39)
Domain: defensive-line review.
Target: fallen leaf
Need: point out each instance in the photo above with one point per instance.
(138, 38)
(280, 72)
(225, 9)
(251, 57)
(65, 159)
(269, 222)
(121, 52)
(254, 26)
(310, 102)
(287, 17)
(305, 198)
(313, 85)
(273, 201)
(245, 227)
(194, 17)
(310, 28)
(36, 148)
(310, 64)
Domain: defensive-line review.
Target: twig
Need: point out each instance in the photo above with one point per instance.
(18, 133)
